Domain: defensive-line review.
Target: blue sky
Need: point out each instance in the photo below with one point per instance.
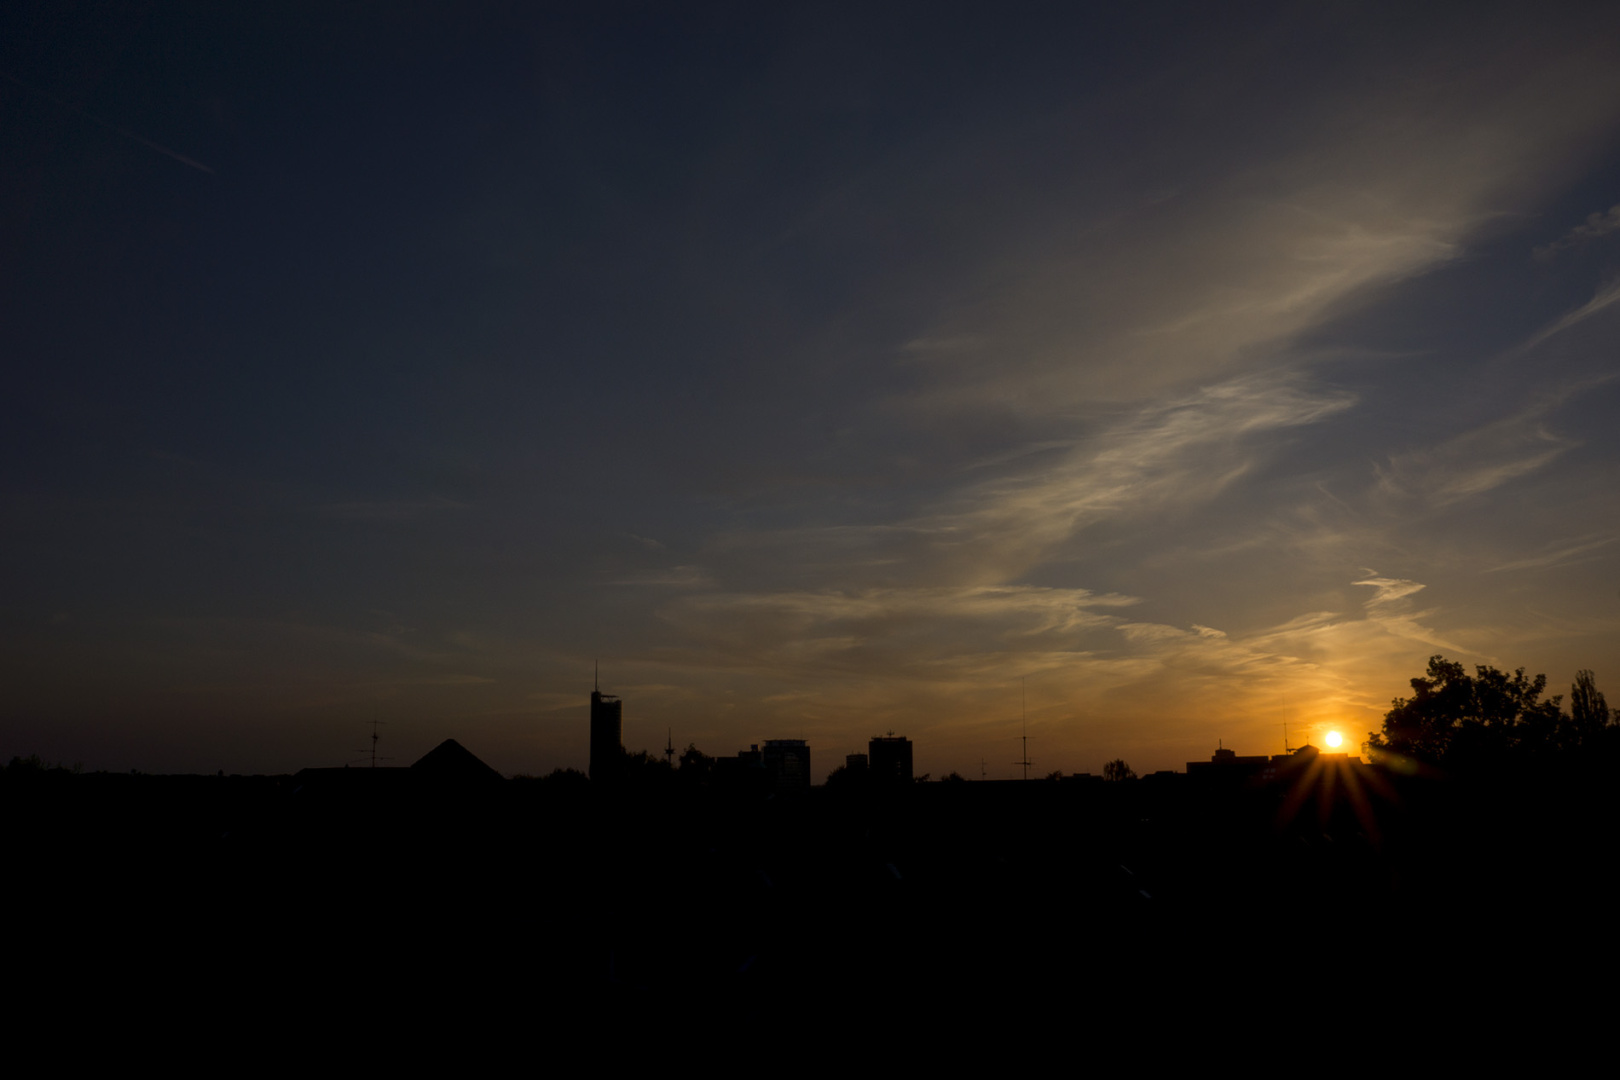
(823, 372)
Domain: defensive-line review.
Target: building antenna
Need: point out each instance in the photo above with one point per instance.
(669, 747)
(1023, 698)
(1286, 750)
(375, 738)
(596, 676)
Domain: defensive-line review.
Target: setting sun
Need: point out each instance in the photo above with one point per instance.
(1334, 739)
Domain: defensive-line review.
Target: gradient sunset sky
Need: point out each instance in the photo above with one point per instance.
(823, 370)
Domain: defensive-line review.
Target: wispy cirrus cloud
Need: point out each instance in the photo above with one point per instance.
(1182, 451)
(965, 619)
(1173, 454)
(1603, 298)
(1597, 225)
(674, 577)
(1391, 610)
(1556, 554)
(1389, 590)
(1119, 318)
(1477, 461)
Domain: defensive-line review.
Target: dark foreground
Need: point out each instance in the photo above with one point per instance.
(249, 911)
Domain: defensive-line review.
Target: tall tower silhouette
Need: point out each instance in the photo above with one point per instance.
(890, 757)
(607, 733)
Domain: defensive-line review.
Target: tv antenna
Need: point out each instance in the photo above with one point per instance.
(669, 747)
(1023, 705)
(376, 737)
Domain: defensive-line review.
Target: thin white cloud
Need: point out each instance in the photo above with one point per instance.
(825, 537)
(1181, 451)
(1561, 554)
(1019, 452)
(1175, 454)
(1197, 291)
(939, 634)
(1476, 461)
(1151, 632)
(1030, 608)
(1389, 590)
(1597, 225)
(1604, 297)
(1474, 481)
(675, 577)
(1391, 610)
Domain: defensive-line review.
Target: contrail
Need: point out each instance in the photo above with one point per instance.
(125, 132)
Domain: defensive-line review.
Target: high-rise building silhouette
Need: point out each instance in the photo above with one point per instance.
(787, 763)
(607, 734)
(890, 759)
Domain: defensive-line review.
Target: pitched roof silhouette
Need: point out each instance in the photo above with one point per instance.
(452, 761)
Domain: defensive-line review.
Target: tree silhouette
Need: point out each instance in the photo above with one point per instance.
(696, 767)
(843, 778)
(1589, 713)
(565, 778)
(1421, 726)
(1453, 718)
(1118, 770)
(33, 764)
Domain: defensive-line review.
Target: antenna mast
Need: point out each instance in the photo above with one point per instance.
(1023, 705)
(375, 738)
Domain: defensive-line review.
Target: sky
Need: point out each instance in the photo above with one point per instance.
(1143, 378)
